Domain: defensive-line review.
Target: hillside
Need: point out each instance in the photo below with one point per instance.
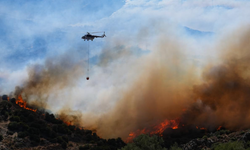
(26, 129)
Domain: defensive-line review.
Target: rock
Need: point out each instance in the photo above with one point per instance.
(246, 137)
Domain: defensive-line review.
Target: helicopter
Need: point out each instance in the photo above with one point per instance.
(91, 37)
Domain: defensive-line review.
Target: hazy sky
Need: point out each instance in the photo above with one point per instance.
(33, 30)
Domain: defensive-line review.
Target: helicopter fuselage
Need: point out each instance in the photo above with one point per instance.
(91, 37)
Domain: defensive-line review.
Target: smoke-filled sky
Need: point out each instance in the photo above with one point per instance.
(155, 53)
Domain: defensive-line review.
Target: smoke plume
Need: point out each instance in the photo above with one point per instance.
(49, 79)
(136, 92)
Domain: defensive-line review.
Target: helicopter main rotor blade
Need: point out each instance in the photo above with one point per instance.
(97, 32)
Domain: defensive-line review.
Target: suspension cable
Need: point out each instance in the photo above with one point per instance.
(88, 59)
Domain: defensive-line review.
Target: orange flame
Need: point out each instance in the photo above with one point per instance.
(67, 123)
(166, 124)
(23, 104)
(158, 129)
(219, 128)
(203, 128)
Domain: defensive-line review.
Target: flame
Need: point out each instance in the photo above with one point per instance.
(23, 104)
(158, 129)
(68, 123)
(219, 128)
(166, 124)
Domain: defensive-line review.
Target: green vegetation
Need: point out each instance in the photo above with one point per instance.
(229, 146)
(13, 126)
(13, 100)
(220, 132)
(175, 147)
(145, 142)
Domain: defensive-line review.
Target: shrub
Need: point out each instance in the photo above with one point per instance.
(35, 138)
(22, 134)
(35, 125)
(144, 141)
(204, 137)
(33, 130)
(89, 138)
(5, 105)
(41, 122)
(120, 142)
(1, 137)
(51, 118)
(85, 147)
(62, 128)
(88, 132)
(71, 128)
(24, 119)
(6, 115)
(31, 117)
(229, 146)
(220, 132)
(10, 132)
(13, 126)
(175, 147)
(15, 118)
(13, 100)
(5, 97)
(65, 138)
(52, 134)
(59, 139)
(64, 145)
(47, 131)
(23, 126)
(54, 140)
(112, 142)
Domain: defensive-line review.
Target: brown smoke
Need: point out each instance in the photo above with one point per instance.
(225, 92)
(166, 85)
(160, 91)
(49, 78)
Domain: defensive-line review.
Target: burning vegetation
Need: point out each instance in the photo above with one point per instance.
(23, 104)
(158, 129)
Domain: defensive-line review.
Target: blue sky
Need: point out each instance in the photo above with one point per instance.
(32, 30)
(141, 34)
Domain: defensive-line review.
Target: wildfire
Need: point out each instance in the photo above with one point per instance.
(23, 104)
(67, 123)
(201, 128)
(158, 129)
(166, 124)
(219, 128)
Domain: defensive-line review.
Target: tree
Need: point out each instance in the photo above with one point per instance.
(13, 100)
(145, 142)
(5, 97)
